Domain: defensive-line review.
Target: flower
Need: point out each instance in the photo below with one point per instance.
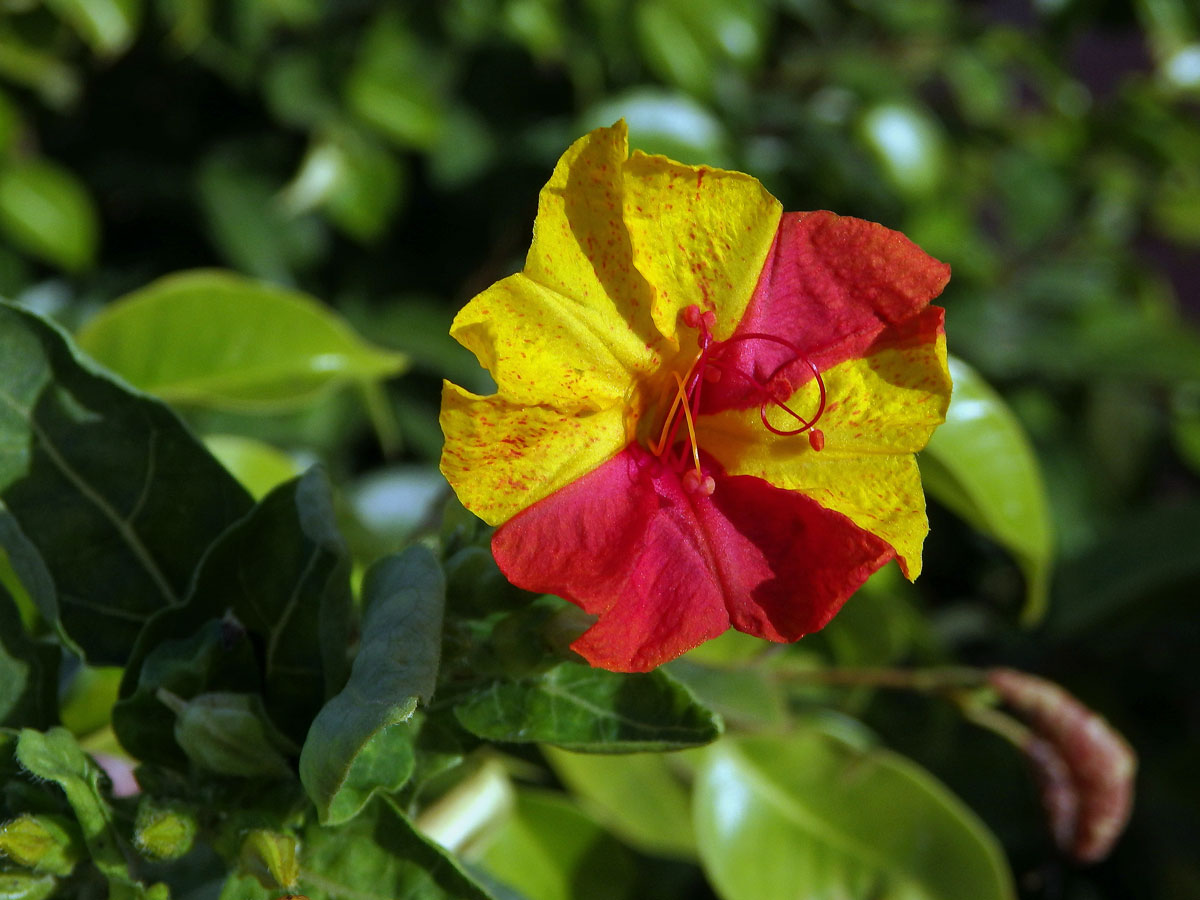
(706, 410)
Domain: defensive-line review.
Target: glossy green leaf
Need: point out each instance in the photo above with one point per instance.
(550, 850)
(360, 741)
(581, 708)
(28, 673)
(256, 464)
(637, 796)
(48, 213)
(672, 124)
(108, 26)
(981, 465)
(93, 477)
(774, 813)
(218, 339)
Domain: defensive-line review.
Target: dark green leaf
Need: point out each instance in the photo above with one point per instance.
(282, 574)
(361, 741)
(256, 464)
(230, 734)
(104, 486)
(981, 465)
(217, 339)
(28, 673)
(581, 708)
(840, 821)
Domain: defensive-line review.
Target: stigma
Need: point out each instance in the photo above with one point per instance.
(677, 445)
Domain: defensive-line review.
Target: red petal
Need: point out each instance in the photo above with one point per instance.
(666, 570)
(834, 286)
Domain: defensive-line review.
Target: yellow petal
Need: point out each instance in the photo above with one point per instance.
(501, 457)
(580, 247)
(879, 411)
(547, 349)
(699, 235)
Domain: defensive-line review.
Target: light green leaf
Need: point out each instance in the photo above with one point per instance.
(361, 740)
(93, 477)
(981, 465)
(580, 708)
(806, 812)
(256, 464)
(637, 795)
(218, 339)
(47, 212)
(549, 849)
(108, 26)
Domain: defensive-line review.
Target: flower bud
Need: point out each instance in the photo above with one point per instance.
(44, 843)
(164, 829)
(25, 885)
(1088, 791)
(272, 858)
(228, 734)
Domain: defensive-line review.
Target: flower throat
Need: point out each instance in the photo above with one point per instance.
(709, 365)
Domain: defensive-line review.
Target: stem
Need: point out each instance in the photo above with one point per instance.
(925, 681)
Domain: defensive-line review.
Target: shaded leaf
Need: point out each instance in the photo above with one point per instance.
(636, 795)
(361, 740)
(28, 673)
(981, 465)
(580, 708)
(772, 813)
(110, 501)
(47, 212)
(217, 339)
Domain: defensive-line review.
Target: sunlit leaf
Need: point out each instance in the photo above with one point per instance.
(218, 339)
(48, 213)
(256, 464)
(109, 26)
(981, 465)
(805, 809)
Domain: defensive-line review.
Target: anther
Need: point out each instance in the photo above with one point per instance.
(816, 439)
(693, 483)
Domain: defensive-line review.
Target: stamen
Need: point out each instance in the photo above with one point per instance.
(687, 415)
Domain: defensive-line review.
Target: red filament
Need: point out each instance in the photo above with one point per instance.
(708, 365)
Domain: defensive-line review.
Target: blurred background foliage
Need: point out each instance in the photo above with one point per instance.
(386, 158)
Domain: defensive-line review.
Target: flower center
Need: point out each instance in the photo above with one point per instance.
(711, 365)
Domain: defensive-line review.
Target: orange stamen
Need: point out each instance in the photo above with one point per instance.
(667, 434)
(687, 415)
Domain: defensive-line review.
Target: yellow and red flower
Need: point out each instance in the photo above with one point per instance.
(706, 409)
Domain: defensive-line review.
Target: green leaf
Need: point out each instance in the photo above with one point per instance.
(672, 124)
(581, 708)
(361, 742)
(28, 673)
(805, 809)
(637, 795)
(229, 734)
(550, 850)
(87, 702)
(282, 575)
(256, 464)
(108, 26)
(54, 756)
(981, 465)
(376, 855)
(94, 477)
(218, 339)
(47, 212)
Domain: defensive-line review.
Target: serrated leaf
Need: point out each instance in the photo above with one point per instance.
(981, 465)
(361, 741)
(580, 708)
(48, 213)
(110, 502)
(636, 795)
(217, 339)
(806, 809)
